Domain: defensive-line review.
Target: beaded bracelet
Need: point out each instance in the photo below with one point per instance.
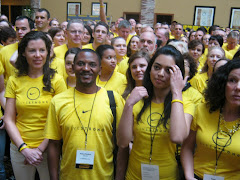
(21, 146)
(177, 100)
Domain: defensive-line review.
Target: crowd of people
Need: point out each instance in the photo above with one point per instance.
(119, 101)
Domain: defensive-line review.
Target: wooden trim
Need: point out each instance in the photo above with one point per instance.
(16, 2)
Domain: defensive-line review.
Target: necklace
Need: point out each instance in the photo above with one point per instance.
(107, 80)
(224, 130)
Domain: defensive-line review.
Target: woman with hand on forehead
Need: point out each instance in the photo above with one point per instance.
(157, 116)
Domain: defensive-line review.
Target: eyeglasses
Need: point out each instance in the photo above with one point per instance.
(75, 32)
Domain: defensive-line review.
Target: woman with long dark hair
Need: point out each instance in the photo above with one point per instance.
(132, 46)
(28, 96)
(156, 116)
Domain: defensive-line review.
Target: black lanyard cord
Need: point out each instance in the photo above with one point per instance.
(86, 132)
(154, 133)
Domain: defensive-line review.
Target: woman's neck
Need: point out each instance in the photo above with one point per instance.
(160, 95)
(230, 112)
(35, 73)
(105, 75)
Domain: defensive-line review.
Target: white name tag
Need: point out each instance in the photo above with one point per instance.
(84, 159)
(211, 177)
(149, 172)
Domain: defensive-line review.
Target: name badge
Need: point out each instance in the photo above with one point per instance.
(149, 172)
(84, 159)
(211, 177)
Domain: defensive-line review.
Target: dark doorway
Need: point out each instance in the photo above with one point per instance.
(13, 11)
(164, 18)
(5, 10)
(128, 15)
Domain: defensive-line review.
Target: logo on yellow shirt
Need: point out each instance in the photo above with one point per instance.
(33, 93)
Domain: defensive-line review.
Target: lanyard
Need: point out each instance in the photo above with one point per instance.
(152, 136)
(230, 137)
(86, 132)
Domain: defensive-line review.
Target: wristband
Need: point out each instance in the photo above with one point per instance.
(101, 6)
(21, 146)
(177, 100)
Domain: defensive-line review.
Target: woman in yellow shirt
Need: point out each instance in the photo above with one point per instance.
(156, 116)
(108, 77)
(199, 81)
(196, 50)
(212, 148)
(137, 63)
(28, 97)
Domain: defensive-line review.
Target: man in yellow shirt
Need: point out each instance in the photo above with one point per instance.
(232, 43)
(124, 29)
(100, 34)
(74, 35)
(82, 117)
(178, 31)
(42, 19)
(23, 26)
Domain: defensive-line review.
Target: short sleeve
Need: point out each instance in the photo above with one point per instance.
(52, 128)
(60, 85)
(10, 91)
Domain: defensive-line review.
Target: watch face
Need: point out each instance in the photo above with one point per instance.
(33, 93)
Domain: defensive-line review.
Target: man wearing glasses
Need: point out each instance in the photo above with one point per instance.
(74, 35)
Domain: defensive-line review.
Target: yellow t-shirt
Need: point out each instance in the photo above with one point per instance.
(5, 55)
(123, 65)
(1, 46)
(199, 81)
(163, 151)
(63, 123)
(202, 60)
(233, 51)
(88, 46)
(117, 82)
(32, 105)
(59, 65)
(206, 126)
(128, 38)
(193, 95)
(60, 51)
(1, 73)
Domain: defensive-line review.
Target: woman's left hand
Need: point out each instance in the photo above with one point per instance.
(177, 82)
